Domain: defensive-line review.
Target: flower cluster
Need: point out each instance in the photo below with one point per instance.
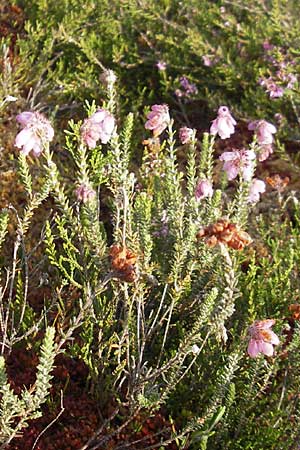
(239, 162)
(273, 89)
(188, 89)
(99, 126)
(262, 338)
(84, 193)
(283, 76)
(158, 119)
(123, 262)
(204, 189)
(264, 133)
(36, 133)
(186, 134)
(224, 232)
(224, 124)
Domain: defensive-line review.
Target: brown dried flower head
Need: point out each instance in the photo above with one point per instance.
(224, 232)
(278, 183)
(123, 262)
(294, 308)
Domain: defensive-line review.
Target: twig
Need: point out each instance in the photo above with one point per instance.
(282, 391)
(166, 332)
(149, 332)
(99, 431)
(62, 408)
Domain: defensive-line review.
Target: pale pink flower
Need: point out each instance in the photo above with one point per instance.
(210, 60)
(264, 131)
(265, 152)
(292, 80)
(158, 119)
(36, 133)
(224, 124)
(84, 193)
(275, 91)
(204, 189)
(179, 93)
(267, 46)
(195, 349)
(238, 162)
(257, 187)
(271, 87)
(207, 61)
(161, 65)
(262, 338)
(99, 126)
(186, 134)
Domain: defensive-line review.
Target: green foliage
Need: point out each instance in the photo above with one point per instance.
(4, 218)
(25, 174)
(15, 411)
(219, 47)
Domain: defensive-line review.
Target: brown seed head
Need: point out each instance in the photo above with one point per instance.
(123, 262)
(224, 232)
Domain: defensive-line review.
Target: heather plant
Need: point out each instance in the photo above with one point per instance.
(168, 288)
(182, 261)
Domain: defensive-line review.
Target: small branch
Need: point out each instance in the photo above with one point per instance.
(62, 408)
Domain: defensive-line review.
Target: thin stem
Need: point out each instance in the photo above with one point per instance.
(62, 408)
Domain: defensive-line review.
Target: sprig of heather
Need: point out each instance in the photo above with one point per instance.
(16, 411)
(57, 189)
